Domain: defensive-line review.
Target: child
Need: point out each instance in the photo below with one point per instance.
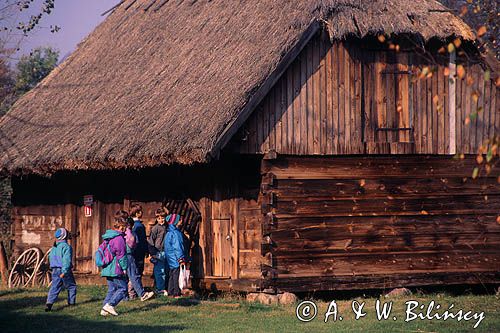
(134, 278)
(156, 240)
(142, 244)
(116, 271)
(60, 262)
(174, 251)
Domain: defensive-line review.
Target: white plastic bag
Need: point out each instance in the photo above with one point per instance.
(183, 277)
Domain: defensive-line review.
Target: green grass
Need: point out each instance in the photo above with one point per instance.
(23, 311)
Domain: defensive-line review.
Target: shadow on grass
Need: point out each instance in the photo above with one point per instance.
(12, 319)
(11, 292)
(154, 305)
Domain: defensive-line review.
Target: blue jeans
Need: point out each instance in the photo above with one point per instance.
(134, 276)
(159, 271)
(117, 290)
(68, 281)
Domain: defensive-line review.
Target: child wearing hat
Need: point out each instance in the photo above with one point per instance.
(60, 262)
(174, 251)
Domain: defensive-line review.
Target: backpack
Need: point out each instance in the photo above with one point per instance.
(103, 255)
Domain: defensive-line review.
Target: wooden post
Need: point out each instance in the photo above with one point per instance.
(98, 226)
(4, 268)
(452, 104)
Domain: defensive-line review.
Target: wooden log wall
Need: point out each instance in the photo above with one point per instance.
(224, 195)
(351, 222)
(350, 98)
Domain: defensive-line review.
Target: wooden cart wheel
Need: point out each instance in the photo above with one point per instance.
(43, 273)
(24, 268)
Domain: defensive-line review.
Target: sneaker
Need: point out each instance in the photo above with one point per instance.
(110, 309)
(104, 313)
(48, 307)
(147, 295)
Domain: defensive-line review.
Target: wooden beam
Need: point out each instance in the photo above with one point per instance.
(113, 8)
(259, 95)
(452, 105)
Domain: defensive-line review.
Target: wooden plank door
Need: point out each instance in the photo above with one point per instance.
(223, 236)
(84, 247)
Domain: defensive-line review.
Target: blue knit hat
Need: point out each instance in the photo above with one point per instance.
(61, 234)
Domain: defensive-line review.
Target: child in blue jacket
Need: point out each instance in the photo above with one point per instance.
(141, 249)
(174, 251)
(62, 275)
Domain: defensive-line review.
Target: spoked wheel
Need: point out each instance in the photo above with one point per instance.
(43, 273)
(24, 268)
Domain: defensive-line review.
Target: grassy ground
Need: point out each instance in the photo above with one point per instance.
(23, 311)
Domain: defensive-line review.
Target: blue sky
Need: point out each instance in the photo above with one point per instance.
(76, 18)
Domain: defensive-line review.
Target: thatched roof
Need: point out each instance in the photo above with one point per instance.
(160, 82)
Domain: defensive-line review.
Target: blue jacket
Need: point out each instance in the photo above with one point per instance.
(60, 256)
(174, 246)
(142, 242)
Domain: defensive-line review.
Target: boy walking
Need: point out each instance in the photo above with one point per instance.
(116, 271)
(62, 275)
(135, 286)
(142, 244)
(156, 249)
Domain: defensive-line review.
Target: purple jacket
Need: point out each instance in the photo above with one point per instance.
(119, 250)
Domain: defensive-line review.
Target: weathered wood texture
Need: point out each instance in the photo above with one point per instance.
(394, 219)
(225, 243)
(353, 98)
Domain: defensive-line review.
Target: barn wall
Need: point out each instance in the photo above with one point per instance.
(358, 222)
(225, 194)
(354, 98)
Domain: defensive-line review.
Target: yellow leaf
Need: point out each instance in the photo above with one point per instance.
(479, 159)
(463, 10)
(470, 80)
(446, 71)
(442, 50)
(481, 31)
(461, 71)
(457, 42)
(475, 96)
(362, 183)
(435, 99)
(424, 212)
(475, 173)
(487, 75)
(451, 48)
(381, 38)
